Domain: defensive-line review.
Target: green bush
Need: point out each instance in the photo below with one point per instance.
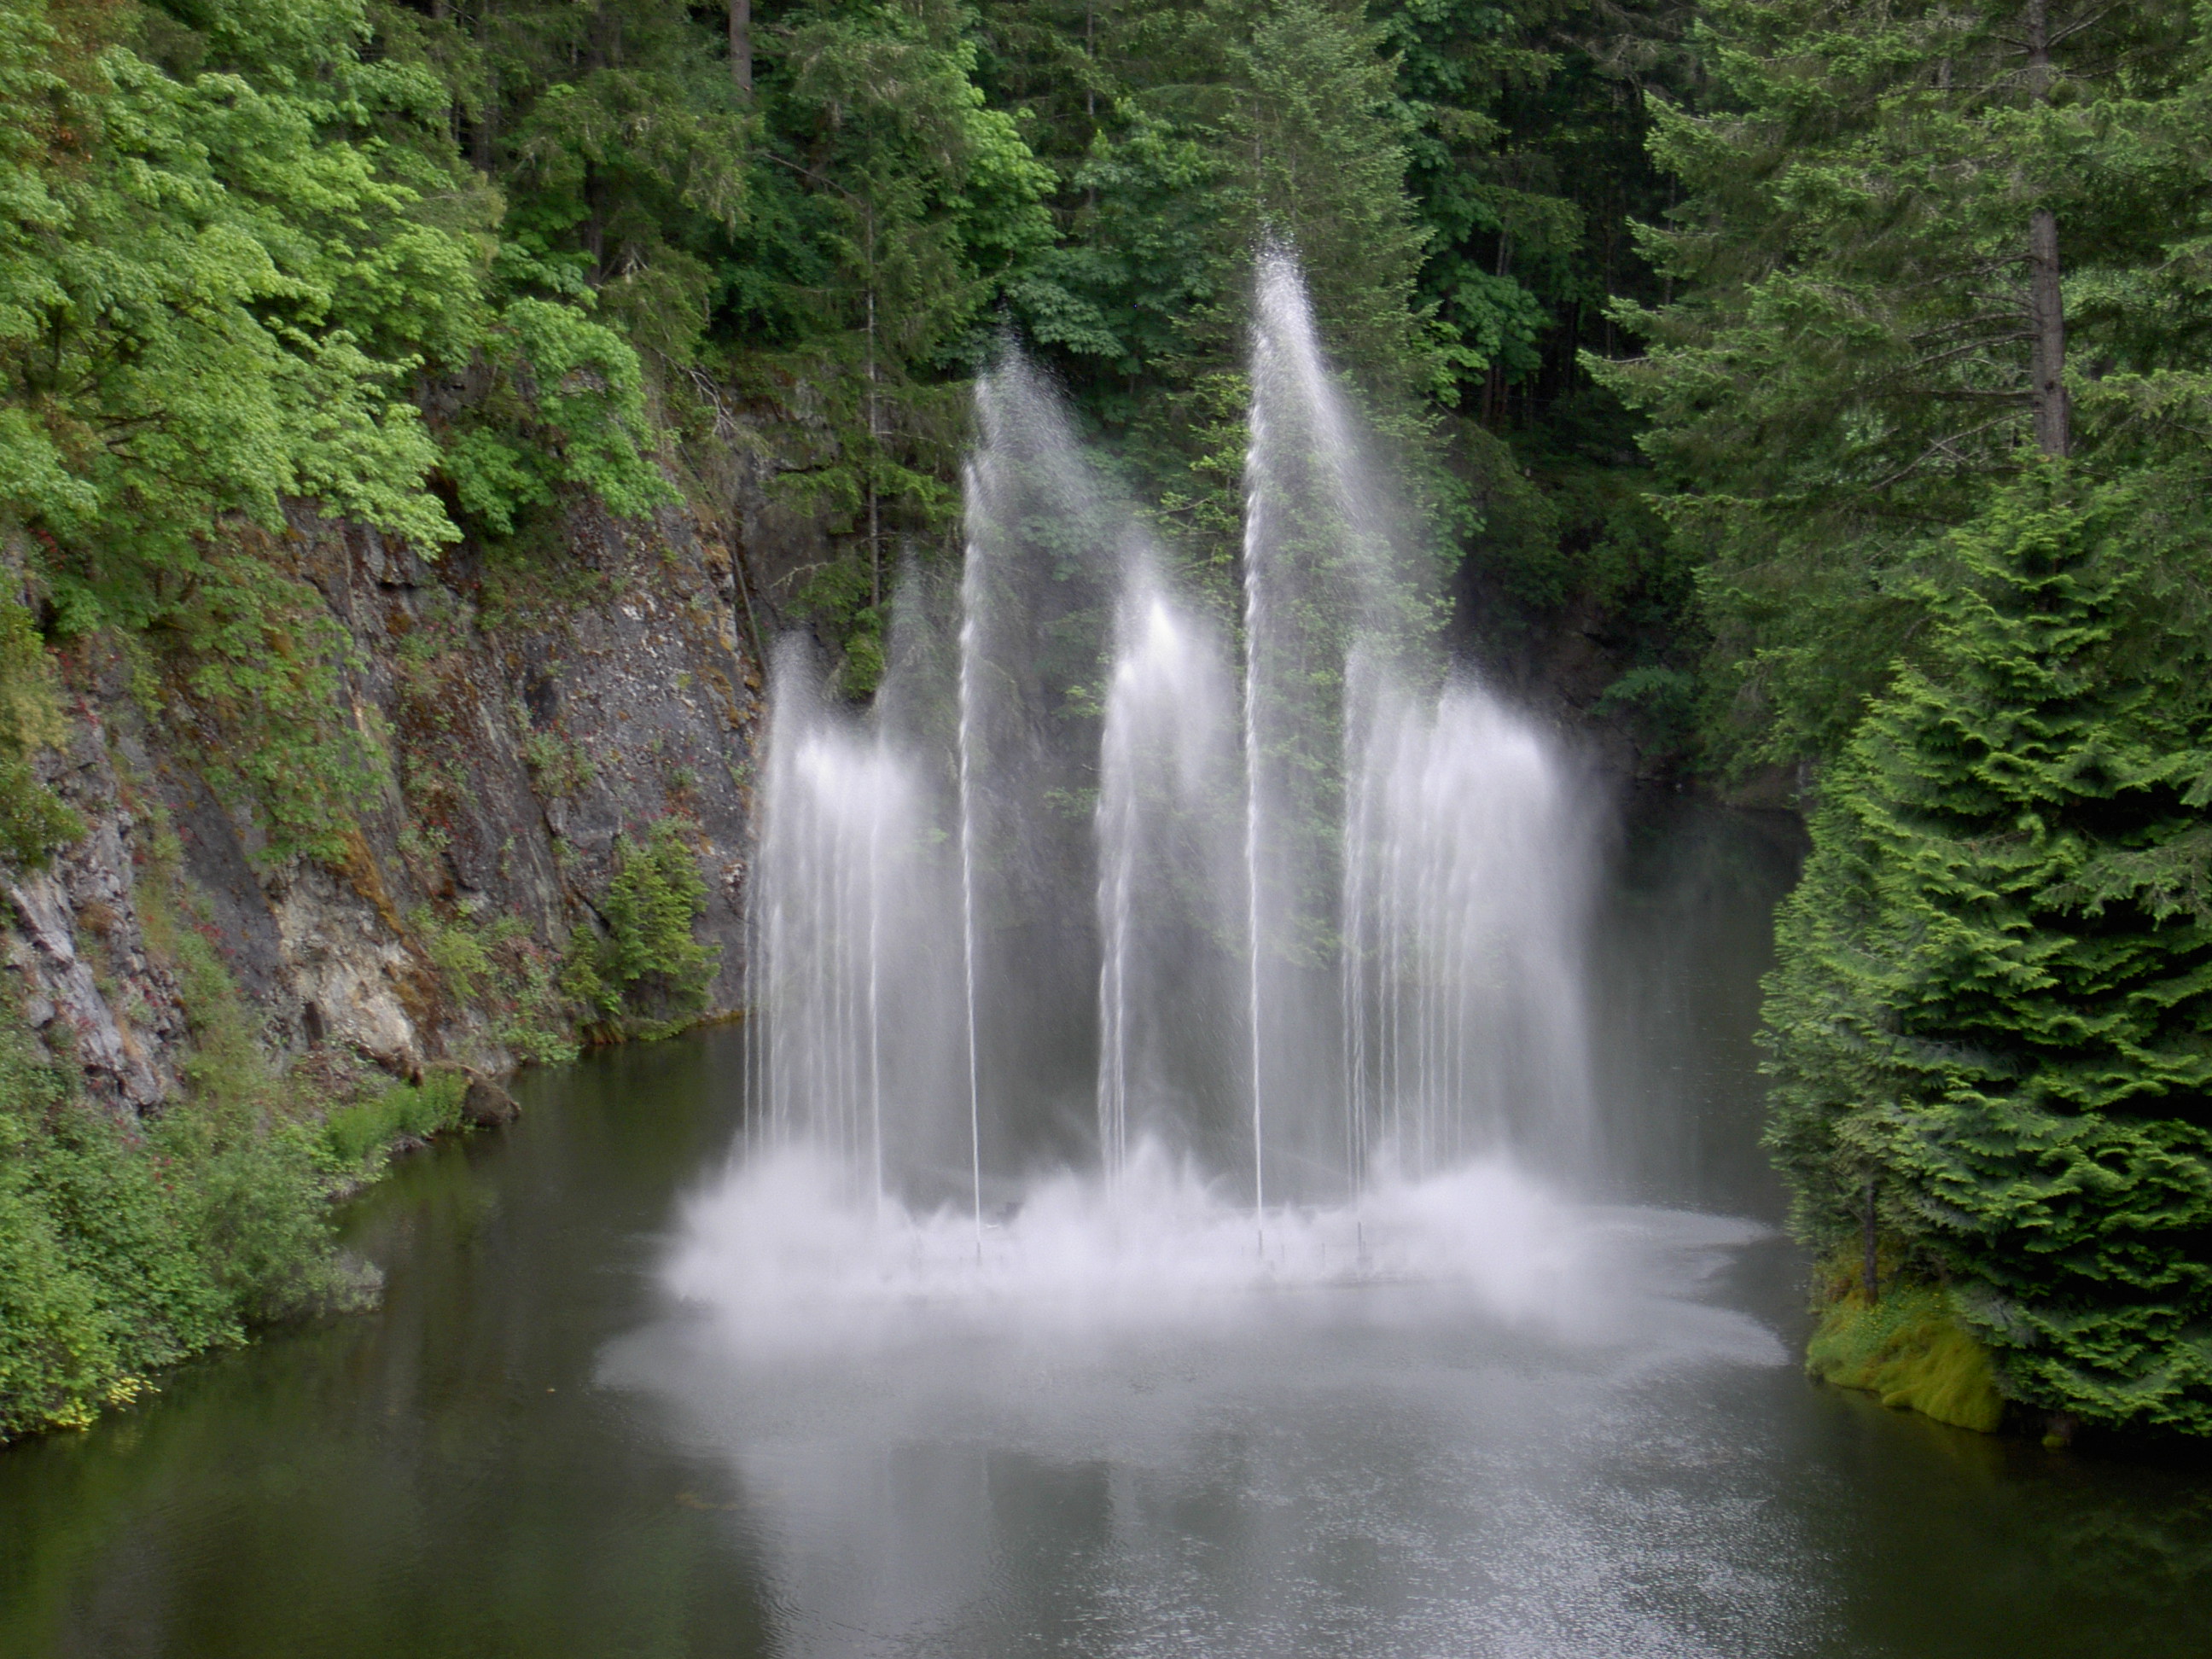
(356, 1138)
(59, 1352)
(124, 1250)
(649, 976)
(127, 1246)
(500, 968)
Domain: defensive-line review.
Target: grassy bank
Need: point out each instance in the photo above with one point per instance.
(1910, 1351)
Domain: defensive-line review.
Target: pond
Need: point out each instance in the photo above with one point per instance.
(533, 1449)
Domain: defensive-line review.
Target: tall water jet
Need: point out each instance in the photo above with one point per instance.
(921, 938)
(1414, 853)
(970, 610)
(1255, 934)
(1169, 790)
(1323, 581)
(1044, 551)
(847, 898)
(1464, 862)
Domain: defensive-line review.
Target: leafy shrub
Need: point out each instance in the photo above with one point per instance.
(568, 409)
(515, 980)
(125, 1247)
(557, 765)
(123, 1250)
(649, 975)
(357, 1137)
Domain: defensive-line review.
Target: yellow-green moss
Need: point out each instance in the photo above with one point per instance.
(1909, 1350)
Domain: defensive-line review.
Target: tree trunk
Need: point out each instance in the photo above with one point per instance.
(2046, 299)
(595, 223)
(2046, 305)
(875, 450)
(738, 562)
(1869, 1273)
(741, 48)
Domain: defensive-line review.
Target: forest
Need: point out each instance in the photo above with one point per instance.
(1840, 368)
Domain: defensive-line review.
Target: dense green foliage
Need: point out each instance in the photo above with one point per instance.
(1847, 370)
(437, 267)
(1923, 395)
(1993, 1018)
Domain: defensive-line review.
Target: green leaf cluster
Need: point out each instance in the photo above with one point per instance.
(212, 288)
(232, 249)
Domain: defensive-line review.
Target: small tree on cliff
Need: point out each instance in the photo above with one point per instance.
(1991, 1029)
(649, 975)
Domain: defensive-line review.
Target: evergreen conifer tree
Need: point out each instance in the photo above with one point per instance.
(1990, 1033)
(1913, 239)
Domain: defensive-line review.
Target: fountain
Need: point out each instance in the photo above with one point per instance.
(1174, 1115)
(1084, 899)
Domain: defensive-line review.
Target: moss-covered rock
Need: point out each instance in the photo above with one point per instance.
(1910, 1350)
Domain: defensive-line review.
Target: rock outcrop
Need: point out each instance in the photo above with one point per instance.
(531, 714)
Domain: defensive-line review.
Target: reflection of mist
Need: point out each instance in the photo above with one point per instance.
(1136, 1428)
(1682, 936)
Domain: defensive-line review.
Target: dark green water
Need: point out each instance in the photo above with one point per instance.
(527, 1452)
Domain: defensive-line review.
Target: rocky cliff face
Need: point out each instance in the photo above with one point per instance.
(531, 714)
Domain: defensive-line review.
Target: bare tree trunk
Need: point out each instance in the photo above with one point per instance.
(745, 592)
(481, 151)
(875, 439)
(2046, 298)
(1090, 89)
(2046, 305)
(595, 223)
(741, 48)
(875, 448)
(1869, 1266)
